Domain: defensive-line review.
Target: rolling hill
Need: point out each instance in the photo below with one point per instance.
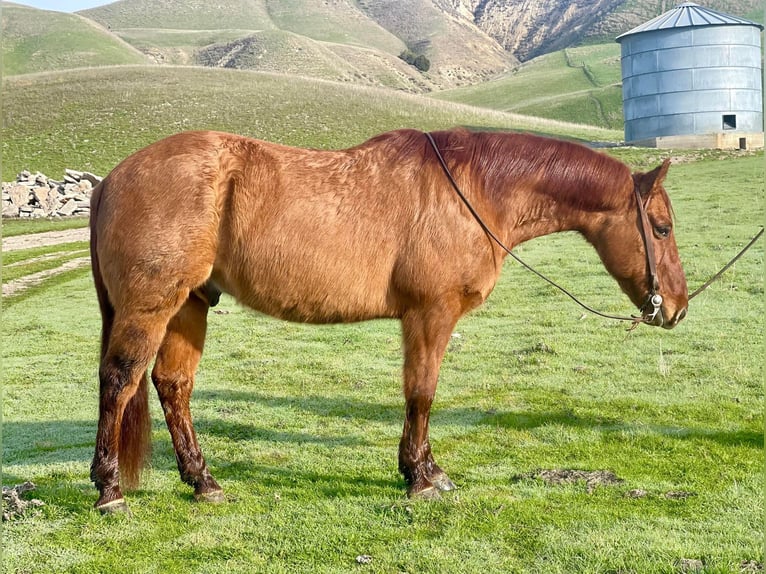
(40, 40)
(286, 52)
(576, 84)
(459, 52)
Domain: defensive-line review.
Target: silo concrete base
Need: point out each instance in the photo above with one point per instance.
(736, 140)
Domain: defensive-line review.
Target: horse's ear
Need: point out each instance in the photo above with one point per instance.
(646, 182)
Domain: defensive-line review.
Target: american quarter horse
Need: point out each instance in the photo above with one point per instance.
(374, 231)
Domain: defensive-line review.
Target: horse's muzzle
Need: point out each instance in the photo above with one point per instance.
(675, 320)
(660, 318)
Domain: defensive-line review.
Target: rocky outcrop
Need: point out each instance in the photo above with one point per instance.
(530, 29)
(36, 195)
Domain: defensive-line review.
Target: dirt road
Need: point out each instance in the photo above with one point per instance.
(44, 239)
(31, 240)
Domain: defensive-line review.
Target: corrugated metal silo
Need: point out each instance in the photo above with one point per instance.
(692, 78)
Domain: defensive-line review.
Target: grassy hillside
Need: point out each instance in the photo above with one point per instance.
(631, 13)
(458, 51)
(167, 46)
(289, 53)
(40, 40)
(577, 84)
(91, 119)
(339, 21)
(182, 15)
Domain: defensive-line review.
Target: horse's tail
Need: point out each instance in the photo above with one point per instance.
(135, 431)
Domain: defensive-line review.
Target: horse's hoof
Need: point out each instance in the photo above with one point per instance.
(214, 496)
(427, 493)
(442, 482)
(116, 506)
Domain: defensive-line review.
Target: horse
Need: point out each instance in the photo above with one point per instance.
(331, 236)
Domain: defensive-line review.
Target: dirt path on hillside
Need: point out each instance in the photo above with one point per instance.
(44, 239)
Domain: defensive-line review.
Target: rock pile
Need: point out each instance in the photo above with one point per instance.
(38, 196)
(13, 505)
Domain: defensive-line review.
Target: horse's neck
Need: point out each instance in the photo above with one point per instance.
(534, 208)
(536, 215)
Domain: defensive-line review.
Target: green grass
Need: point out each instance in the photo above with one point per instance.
(12, 227)
(51, 259)
(40, 40)
(300, 424)
(575, 85)
(92, 119)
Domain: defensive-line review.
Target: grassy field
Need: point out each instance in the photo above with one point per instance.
(92, 119)
(576, 84)
(300, 424)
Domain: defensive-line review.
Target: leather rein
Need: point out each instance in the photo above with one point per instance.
(653, 299)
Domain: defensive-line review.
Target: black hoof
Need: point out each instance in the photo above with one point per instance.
(214, 496)
(117, 506)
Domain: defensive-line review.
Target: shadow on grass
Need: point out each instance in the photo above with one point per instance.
(339, 407)
(47, 441)
(68, 441)
(244, 431)
(530, 420)
(324, 484)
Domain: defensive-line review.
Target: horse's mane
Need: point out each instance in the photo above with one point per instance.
(579, 176)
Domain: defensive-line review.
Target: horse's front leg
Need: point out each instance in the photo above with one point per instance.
(426, 334)
(173, 377)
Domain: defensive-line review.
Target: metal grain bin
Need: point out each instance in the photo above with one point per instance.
(692, 78)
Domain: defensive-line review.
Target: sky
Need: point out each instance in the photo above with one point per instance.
(63, 5)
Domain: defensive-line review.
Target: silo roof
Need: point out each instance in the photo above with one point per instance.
(686, 15)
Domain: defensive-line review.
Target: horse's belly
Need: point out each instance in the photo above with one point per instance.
(310, 293)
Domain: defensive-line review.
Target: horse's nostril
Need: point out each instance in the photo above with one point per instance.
(681, 315)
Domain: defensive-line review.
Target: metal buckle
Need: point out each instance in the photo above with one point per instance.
(656, 302)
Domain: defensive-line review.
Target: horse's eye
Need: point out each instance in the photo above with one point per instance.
(662, 230)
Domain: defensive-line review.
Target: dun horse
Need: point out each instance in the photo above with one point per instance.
(374, 231)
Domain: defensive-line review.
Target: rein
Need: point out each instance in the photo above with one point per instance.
(653, 298)
(717, 276)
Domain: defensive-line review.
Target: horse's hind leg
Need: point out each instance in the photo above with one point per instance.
(426, 334)
(173, 377)
(134, 338)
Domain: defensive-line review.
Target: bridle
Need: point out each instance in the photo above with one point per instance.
(653, 299)
(653, 302)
